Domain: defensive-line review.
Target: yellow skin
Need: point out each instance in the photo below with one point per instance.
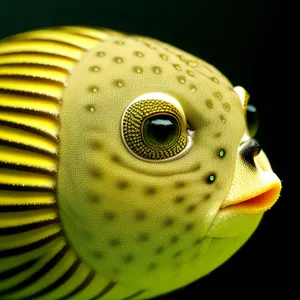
(86, 214)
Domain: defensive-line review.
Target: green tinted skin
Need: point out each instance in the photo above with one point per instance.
(131, 181)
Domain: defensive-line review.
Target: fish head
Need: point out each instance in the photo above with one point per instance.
(159, 179)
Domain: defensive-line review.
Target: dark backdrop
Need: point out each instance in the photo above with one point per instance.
(252, 43)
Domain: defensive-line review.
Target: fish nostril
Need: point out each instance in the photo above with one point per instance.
(249, 150)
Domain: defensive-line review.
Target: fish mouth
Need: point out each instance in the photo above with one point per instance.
(253, 191)
(257, 203)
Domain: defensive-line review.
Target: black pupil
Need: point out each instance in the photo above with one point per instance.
(161, 131)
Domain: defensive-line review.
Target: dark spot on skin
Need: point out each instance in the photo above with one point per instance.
(180, 184)
(159, 250)
(168, 222)
(140, 215)
(221, 153)
(218, 134)
(152, 266)
(115, 158)
(143, 237)
(179, 199)
(128, 258)
(223, 119)
(174, 239)
(94, 173)
(226, 106)
(191, 208)
(95, 145)
(218, 95)
(150, 190)
(197, 242)
(89, 107)
(214, 79)
(207, 196)
(115, 242)
(122, 184)
(195, 256)
(209, 103)
(109, 216)
(97, 254)
(178, 253)
(211, 178)
(189, 226)
(94, 198)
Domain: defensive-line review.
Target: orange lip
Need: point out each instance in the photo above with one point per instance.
(261, 202)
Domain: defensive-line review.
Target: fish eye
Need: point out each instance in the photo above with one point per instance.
(154, 128)
(161, 131)
(252, 119)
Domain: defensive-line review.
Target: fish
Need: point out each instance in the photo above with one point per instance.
(129, 168)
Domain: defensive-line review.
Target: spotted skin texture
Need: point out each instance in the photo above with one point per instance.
(109, 222)
(128, 187)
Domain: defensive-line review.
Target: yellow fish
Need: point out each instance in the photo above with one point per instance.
(128, 167)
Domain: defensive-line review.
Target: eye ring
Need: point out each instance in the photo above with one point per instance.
(154, 128)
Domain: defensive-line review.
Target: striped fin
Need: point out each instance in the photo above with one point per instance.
(36, 261)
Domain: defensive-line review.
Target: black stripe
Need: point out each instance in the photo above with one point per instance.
(34, 79)
(105, 290)
(26, 188)
(29, 129)
(25, 207)
(29, 111)
(27, 148)
(40, 273)
(18, 269)
(53, 55)
(30, 247)
(57, 283)
(30, 94)
(35, 65)
(134, 295)
(26, 227)
(26, 168)
(80, 287)
(49, 40)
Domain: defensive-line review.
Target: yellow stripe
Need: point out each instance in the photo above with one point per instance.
(38, 58)
(27, 138)
(22, 218)
(55, 35)
(57, 271)
(78, 277)
(41, 47)
(24, 238)
(17, 197)
(92, 32)
(27, 102)
(33, 86)
(36, 71)
(13, 261)
(19, 156)
(45, 124)
(23, 275)
(10, 176)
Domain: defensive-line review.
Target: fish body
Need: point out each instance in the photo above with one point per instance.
(127, 167)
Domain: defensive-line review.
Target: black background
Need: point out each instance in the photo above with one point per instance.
(253, 43)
